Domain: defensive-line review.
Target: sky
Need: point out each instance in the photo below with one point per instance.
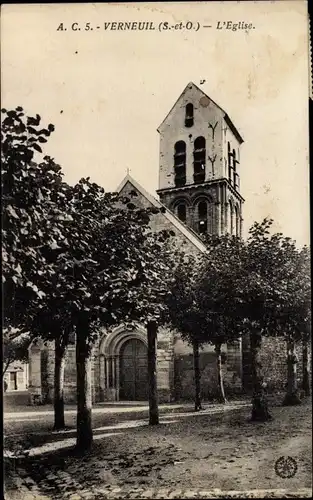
(107, 91)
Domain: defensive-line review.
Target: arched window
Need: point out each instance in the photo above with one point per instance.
(189, 115)
(199, 155)
(230, 165)
(181, 211)
(236, 174)
(231, 218)
(234, 168)
(202, 217)
(180, 163)
(237, 221)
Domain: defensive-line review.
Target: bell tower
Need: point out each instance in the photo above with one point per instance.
(199, 171)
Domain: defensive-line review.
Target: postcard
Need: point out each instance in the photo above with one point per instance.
(196, 112)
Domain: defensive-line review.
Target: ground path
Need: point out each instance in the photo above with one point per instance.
(214, 453)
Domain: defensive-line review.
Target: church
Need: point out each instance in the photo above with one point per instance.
(199, 190)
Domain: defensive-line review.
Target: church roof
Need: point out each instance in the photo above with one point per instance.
(226, 116)
(188, 233)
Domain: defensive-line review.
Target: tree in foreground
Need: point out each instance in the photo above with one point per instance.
(26, 193)
(219, 277)
(305, 366)
(110, 276)
(74, 256)
(271, 302)
(259, 287)
(294, 312)
(256, 300)
(34, 210)
(280, 299)
(32, 202)
(53, 323)
(203, 305)
(186, 312)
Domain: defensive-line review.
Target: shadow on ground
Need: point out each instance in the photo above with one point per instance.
(222, 450)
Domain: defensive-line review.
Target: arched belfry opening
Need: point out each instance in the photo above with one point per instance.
(203, 215)
(199, 155)
(180, 163)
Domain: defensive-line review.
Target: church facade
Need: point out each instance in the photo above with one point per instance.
(199, 190)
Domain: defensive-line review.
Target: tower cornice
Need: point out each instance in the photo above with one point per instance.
(195, 187)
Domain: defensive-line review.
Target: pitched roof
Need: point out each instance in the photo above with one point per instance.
(188, 233)
(226, 116)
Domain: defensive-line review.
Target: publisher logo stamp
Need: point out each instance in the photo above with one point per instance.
(286, 467)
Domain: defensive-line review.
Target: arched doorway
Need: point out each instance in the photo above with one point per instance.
(133, 371)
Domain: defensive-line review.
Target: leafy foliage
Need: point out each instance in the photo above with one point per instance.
(76, 258)
(203, 299)
(30, 191)
(274, 294)
(263, 283)
(71, 251)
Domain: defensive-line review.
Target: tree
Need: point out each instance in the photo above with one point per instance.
(293, 306)
(305, 367)
(259, 287)
(273, 301)
(217, 291)
(60, 345)
(26, 190)
(203, 305)
(53, 323)
(72, 254)
(197, 372)
(152, 372)
(257, 295)
(32, 190)
(185, 311)
(107, 260)
(35, 202)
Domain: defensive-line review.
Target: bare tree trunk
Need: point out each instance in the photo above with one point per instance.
(59, 365)
(221, 392)
(305, 368)
(259, 400)
(196, 364)
(291, 397)
(84, 392)
(152, 373)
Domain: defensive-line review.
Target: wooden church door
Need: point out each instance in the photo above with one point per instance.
(134, 371)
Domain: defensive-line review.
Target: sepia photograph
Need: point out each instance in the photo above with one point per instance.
(156, 334)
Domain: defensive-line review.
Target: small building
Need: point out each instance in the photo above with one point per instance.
(16, 377)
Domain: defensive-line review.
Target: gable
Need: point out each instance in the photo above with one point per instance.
(162, 220)
(194, 93)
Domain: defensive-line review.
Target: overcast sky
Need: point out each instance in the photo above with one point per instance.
(106, 92)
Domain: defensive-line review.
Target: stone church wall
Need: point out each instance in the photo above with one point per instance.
(165, 360)
(184, 371)
(274, 364)
(175, 370)
(70, 375)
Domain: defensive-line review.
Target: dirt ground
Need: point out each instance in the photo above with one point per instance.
(216, 448)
